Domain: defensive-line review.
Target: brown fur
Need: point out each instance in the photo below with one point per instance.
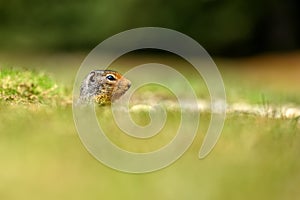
(103, 87)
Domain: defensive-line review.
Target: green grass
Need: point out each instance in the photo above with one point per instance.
(42, 156)
(29, 87)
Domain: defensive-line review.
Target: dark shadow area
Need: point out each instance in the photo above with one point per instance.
(224, 28)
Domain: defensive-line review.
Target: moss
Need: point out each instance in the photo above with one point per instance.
(29, 87)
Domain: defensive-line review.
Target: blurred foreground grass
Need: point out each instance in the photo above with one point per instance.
(42, 156)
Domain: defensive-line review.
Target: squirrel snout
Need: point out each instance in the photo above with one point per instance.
(128, 83)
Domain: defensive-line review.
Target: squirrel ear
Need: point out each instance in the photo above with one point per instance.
(92, 77)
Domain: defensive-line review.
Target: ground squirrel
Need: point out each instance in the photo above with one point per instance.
(103, 87)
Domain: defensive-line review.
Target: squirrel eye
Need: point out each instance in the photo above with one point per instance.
(110, 77)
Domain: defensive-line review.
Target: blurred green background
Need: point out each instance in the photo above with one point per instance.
(229, 27)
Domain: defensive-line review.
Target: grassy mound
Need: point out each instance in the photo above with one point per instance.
(29, 87)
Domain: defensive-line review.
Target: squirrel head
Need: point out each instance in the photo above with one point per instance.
(103, 87)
